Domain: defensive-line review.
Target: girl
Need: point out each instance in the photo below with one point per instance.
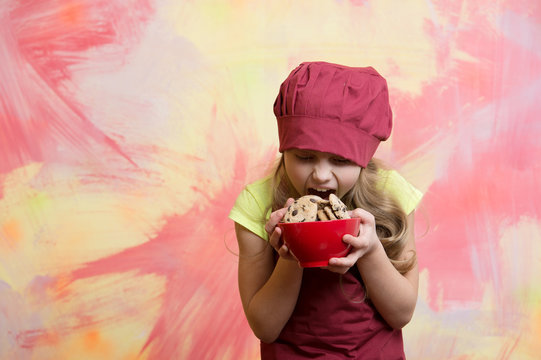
(331, 119)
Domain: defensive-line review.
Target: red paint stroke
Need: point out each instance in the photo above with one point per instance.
(500, 69)
(32, 338)
(41, 44)
(468, 209)
(189, 253)
(492, 180)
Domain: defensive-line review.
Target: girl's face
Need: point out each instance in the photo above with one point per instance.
(318, 173)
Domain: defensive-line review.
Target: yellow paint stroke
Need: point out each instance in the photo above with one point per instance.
(297, 31)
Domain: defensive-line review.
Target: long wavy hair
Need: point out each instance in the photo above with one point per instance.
(368, 194)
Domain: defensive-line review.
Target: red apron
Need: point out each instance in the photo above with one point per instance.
(330, 322)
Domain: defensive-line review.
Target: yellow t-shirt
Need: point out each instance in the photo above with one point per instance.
(253, 202)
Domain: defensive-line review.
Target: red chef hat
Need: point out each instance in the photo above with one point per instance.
(334, 108)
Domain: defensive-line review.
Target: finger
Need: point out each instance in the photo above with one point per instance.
(283, 250)
(366, 217)
(274, 219)
(350, 239)
(341, 262)
(271, 223)
(356, 242)
(277, 216)
(348, 260)
(338, 269)
(275, 239)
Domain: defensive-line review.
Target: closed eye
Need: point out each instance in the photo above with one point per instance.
(304, 157)
(341, 161)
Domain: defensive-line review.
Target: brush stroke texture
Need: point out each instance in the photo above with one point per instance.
(127, 128)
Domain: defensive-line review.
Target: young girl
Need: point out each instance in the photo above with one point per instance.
(331, 119)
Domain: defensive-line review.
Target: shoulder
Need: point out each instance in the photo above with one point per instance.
(407, 195)
(261, 187)
(258, 193)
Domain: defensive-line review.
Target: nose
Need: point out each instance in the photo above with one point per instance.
(322, 172)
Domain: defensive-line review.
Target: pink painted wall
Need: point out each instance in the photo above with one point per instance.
(127, 128)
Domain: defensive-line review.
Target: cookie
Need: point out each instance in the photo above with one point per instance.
(303, 209)
(330, 214)
(321, 215)
(338, 207)
(314, 208)
(322, 203)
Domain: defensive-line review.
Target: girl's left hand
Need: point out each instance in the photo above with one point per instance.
(361, 245)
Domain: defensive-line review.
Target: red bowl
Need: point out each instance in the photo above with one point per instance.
(314, 243)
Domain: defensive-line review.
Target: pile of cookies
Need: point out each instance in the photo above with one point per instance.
(314, 208)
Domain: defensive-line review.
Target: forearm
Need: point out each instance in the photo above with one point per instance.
(393, 294)
(271, 307)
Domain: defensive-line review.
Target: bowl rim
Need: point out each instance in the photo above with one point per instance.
(318, 222)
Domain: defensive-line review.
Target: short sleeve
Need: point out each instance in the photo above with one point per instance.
(407, 195)
(251, 207)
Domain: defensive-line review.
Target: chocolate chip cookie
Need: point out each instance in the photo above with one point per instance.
(303, 209)
(338, 207)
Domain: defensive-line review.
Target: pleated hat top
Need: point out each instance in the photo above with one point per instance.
(334, 108)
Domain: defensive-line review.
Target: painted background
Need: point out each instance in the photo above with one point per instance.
(127, 128)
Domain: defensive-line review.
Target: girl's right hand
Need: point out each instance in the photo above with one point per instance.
(364, 243)
(275, 233)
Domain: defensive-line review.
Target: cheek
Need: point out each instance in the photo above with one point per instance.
(296, 175)
(349, 178)
(298, 179)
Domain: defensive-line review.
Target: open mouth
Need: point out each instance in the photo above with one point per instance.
(322, 193)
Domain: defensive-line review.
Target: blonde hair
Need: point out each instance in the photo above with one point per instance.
(367, 194)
